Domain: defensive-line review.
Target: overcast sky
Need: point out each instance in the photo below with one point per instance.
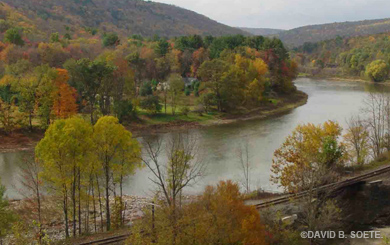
(285, 14)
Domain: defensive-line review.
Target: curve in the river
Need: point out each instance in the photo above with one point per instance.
(328, 100)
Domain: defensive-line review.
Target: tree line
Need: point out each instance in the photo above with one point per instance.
(366, 57)
(107, 75)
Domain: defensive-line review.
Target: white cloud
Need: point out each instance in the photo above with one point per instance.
(285, 14)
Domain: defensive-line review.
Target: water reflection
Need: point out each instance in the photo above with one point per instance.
(328, 100)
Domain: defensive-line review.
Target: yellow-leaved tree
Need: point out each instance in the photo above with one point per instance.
(118, 155)
(76, 156)
(357, 141)
(65, 156)
(311, 157)
(310, 148)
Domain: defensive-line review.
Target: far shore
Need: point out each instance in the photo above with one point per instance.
(25, 141)
(346, 79)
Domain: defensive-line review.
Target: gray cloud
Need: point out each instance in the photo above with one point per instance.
(285, 14)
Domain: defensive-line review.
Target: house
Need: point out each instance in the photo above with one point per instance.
(189, 81)
(162, 86)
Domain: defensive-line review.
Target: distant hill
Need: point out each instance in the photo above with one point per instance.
(342, 57)
(126, 17)
(316, 33)
(262, 31)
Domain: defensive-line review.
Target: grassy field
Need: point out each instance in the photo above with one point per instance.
(162, 118)
(269, 107)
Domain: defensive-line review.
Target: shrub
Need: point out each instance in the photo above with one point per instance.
(185, 110)
(151, 104)
(146, 89)
(377, 71)
(187, 91)
(110, 39)
(123, 109)
(206, 101)
(13, 36)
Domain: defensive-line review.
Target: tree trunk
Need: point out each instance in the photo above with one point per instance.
(100, 204)
(30, 121)
(153, 225)
(86, 214)
(122, 217)
(91, 116)
(39, 208)
(74, 200)
(94, 204)
(165, 102)
(108, 218)
(79, 189)
(92, 102)
(66, 214)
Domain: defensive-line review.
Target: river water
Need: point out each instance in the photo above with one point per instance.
(328, 100)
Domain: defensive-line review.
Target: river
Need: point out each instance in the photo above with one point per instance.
(328, 100)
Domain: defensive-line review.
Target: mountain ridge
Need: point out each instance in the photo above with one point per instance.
(262, 31)
(321, 32)
(126, 17)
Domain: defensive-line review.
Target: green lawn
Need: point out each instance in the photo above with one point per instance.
(162, 118)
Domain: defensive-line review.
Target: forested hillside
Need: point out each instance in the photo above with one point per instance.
(104, 74)
(316, 33)
(126, 17)
(80, 86)
(262, 31)
(345, 56)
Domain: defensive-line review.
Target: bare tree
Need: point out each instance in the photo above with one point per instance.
(320, 212)
(243, 154)
(387, 122)
(182, 168)
(375, 108)
(32, 183)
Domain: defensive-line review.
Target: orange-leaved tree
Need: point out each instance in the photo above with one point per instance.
(64, 105)
(219, 216)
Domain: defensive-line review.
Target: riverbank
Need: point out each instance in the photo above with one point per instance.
(20, 140)
(343, 79)
(52, 217)
(54, 226)
(24, 140)
(283, 105)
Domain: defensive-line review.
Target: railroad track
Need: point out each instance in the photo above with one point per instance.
(109, 240)
(287, 198)
(334, 186)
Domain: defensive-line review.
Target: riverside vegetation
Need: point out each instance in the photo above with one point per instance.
(86, 70)
(362, 57)
(80, 87)
(138, 79)
(82, 168)
(83, 86)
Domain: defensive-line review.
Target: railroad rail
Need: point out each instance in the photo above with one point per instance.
(109, 240)
(284, 199)
(334, 186)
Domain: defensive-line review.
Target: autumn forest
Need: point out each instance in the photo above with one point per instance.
(93, 92)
